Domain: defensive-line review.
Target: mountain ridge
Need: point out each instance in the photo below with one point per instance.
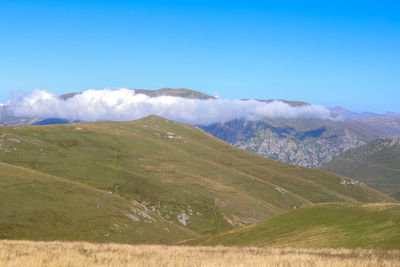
(302, 142)
(178, 171)
(361, 115)
(333, 225)
(377, 164)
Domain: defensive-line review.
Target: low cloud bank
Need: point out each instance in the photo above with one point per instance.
(124, 104)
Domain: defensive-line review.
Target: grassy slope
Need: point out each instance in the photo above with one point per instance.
(323, 225)
(37, 206)
(377, 164)
(179, 171)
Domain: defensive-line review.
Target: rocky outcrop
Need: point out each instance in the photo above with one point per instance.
(304, 142)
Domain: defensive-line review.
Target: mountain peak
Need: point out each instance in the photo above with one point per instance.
(177, 92)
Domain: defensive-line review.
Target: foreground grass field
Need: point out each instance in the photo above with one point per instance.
(29, 253)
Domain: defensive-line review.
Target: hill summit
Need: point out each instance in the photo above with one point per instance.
(176, 171)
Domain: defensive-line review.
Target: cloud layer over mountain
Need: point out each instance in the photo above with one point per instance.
(124, 104)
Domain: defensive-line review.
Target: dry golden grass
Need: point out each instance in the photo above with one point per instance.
(30, 253)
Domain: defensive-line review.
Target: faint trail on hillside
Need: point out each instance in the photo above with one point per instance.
(376, 166)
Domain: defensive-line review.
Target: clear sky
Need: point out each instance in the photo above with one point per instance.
(343, 53)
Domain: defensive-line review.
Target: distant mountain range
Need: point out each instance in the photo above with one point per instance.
(304, 142)
(388, 126)
(361, 115)
(180, 92)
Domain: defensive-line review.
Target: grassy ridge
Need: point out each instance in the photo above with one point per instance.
(336, 225)
(37, 206)
(178, 171)
(377, 164)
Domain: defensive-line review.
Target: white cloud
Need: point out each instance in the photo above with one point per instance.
(124, 104)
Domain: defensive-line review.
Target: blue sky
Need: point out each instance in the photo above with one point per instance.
(343, 53)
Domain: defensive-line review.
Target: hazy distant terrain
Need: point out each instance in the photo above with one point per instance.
(181, 92)
(362, 115)
(388, 126)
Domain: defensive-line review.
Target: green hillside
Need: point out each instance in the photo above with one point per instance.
(338, 225)
(376, 164)
(178, 171)
(37, 206)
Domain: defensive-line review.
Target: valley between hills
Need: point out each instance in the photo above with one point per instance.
(155, 180)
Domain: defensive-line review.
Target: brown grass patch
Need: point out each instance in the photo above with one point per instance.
(29, 253)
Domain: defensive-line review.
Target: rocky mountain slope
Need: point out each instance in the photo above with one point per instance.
(377, 164)
(175, 170)
(304, 142)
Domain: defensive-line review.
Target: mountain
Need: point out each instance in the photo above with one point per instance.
(289, 102)
(68, 95)
(304, 142)
(50, 121)
(361, 115)
(301, 141)
(175, 170)
(377, 164)
(39, 206)
(180, 92)
(388, 126)
(7, 119)
(332, 225)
